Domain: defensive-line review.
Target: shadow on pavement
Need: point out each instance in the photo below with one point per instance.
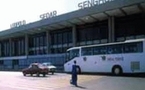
(41, 76)
(81, 87)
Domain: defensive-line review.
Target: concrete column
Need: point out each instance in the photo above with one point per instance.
(10, 43)
(48, 42)
(111, 26)
(26, 45)
(74, 36)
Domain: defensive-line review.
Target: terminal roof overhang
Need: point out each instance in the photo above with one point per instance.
(115, 8)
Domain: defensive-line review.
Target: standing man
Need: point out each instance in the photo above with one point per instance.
(74, 74)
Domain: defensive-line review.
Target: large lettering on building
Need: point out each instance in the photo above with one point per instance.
(18, 24)
(48, 15)
(90, 3)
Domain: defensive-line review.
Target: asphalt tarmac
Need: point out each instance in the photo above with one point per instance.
(60, 81)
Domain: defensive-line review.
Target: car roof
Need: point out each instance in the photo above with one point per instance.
(47, 63)
(35, 63)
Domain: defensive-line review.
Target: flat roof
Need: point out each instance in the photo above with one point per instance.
(117, 8)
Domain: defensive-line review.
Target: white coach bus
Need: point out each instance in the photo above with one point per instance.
(116, 58)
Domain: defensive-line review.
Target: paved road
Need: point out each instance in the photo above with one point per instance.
(59, 81)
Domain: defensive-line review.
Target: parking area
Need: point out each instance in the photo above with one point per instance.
(60, 81)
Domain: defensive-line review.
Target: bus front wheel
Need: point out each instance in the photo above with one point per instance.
(117, 70)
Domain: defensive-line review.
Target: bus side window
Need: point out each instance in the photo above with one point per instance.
(109, 50)
(140, 47)
(131, 48)
(87, 51)
(96, 50)
(126, 48)
(103, 50)
(83, 51)
(99, 50)
(119, 49)
(114, 49)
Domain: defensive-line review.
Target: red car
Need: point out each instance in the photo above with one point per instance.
(35, 68)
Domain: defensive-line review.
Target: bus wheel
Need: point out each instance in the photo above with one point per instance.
(117, 70)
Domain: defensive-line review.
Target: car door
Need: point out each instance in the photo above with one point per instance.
(34, 69)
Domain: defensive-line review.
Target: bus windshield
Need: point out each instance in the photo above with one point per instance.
(72, 54)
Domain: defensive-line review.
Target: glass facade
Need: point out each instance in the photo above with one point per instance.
(61, 40)
(18, 46)
(4, 48)
(130, 27)
(90, 33)
(37, 44)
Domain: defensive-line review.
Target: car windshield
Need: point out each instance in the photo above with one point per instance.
(47, 64)
(36, 64)
(41, 66)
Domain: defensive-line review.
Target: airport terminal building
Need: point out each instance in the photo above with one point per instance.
(48, 39)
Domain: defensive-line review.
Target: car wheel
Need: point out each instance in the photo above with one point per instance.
(44, 74)
(52, 73)
(24, 74)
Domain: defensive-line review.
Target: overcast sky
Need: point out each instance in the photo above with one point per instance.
(12, 11)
